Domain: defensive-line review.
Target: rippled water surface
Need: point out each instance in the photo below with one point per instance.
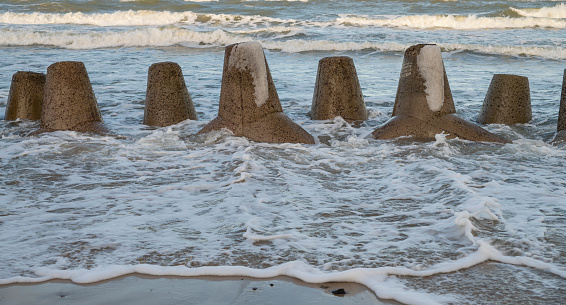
(448, 221)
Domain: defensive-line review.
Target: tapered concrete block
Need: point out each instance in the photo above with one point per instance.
(249, 105)
(167, 99)
(26, 96)
(423, 90)
(68, 101)
(508, 101)
(337, 91)
(561, 127)
(424, 106)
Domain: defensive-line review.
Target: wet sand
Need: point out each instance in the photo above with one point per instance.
(143, 289)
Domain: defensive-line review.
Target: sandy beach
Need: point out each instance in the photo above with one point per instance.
(143, 289)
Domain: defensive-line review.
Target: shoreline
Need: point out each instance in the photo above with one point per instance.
(148, 289)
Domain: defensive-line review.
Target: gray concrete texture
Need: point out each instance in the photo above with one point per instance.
(26, 96)
(69, 102)
(239, 112)
(167, 99)
(508, 101)
(413, 116)
(337, 91)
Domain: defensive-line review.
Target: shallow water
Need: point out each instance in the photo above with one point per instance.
(406, 218)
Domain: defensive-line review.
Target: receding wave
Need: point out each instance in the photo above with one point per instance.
(293, 46)
(157, 18)
(471, 22)
(170, 35)
(558, 11)
(544, 52)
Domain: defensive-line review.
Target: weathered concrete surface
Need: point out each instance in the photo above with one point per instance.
(508, 101)
(561, 126)
(422, 111)
(167, 99)
(249, 105)
(337, 91)
(562, 111)
(411, 98)
(26, 96)
(69, 102)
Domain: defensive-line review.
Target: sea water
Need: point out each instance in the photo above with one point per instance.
(447, 221)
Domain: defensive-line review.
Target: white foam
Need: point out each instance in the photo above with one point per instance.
(470, 22)
(249, 57)
(120, 18)
(148, 17)
(431, 68)
(250, 235)
(377, 279)
(558, 11)
(319, 214)
(137, 18)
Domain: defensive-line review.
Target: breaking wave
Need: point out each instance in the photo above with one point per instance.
(539, 18)
(558, 12)
(134, 18)
(457, 22)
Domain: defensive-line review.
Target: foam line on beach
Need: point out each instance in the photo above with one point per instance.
(377, 279)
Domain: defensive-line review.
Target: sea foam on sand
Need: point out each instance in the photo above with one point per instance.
(379, 280)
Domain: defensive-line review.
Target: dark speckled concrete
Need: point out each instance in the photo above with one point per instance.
(239, 112)
(337, 91)
(68, 101)
(26, 96)
(560, 137)
(413, 117)
(508, 101)
(562, 112)
(167, 99)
